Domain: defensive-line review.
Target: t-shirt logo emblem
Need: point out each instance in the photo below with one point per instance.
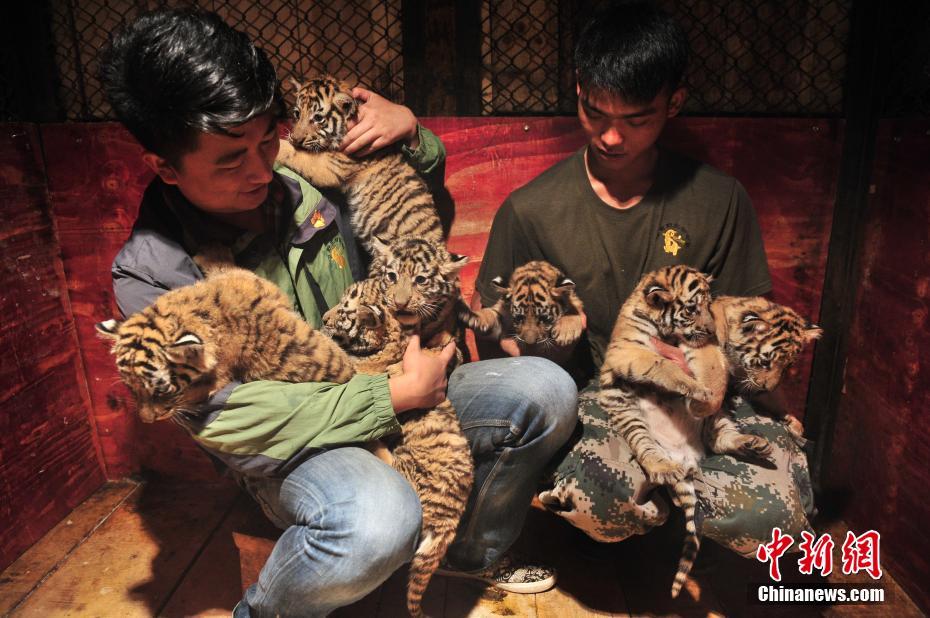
(317, 220)
(673, 240)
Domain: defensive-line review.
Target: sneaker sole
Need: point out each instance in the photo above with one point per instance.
(519, 588)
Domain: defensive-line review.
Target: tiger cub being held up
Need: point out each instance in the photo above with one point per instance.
(540, 304)
(385, 195)
(641, 391)
(192, 341)
(668, 435)
(432, 453)
(419, 284)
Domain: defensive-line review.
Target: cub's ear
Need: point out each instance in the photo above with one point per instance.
(370, 316)
(107, 330)
(498, 283)
(295, 84)
(564, 287)
(657, 296)
(454, 265)
(190, 350)
(345, 103)
(381, 247)
(811, 332)
(752, 321)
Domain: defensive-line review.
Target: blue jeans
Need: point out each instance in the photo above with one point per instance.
(350, 520)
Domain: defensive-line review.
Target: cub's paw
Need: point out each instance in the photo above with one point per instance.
(663, 471)
(567, 329)
(752, 446)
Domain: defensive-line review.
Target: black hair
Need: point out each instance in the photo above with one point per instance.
(631, 49)
(172, 74)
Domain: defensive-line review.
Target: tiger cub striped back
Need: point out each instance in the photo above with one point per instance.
(432, 453)
(194, 340)
(385, 195)
(541, 304)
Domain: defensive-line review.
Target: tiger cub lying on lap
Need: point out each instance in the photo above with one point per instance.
(234, 325)
(385, 195)
(540, 305)
(432, 453)
(746, 341)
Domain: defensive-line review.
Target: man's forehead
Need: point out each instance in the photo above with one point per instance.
(211, 144)
(613, 103)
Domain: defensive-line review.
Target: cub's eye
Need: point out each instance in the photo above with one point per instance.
(545, 319)
(518, 318)
(295, 112)
(318, 118)
(419, 280)
(392, 277)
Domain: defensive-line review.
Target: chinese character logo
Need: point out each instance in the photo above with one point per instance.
(673, 239)
(771, 552)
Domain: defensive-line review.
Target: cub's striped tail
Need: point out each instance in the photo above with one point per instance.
(685, 497)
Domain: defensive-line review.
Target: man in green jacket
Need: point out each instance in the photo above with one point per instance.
(205, 105)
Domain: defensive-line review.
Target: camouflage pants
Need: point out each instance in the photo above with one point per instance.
(601, 489)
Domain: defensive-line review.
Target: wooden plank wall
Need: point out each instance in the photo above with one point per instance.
(882, 440)
(49, 457)
(97, 179)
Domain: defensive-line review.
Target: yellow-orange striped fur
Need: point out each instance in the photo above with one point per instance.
(192, 341)
(432, 452)
(385, 195)
(541, 305)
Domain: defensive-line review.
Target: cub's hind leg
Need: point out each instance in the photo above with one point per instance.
(625, 417)
(723, 436)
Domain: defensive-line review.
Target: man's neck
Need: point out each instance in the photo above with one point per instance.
(252, 220)
(626, 187)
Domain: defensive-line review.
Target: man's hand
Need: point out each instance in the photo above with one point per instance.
(380, 123)
(673, 354)
(423, 384)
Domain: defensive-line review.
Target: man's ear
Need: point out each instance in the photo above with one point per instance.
(676, 101)
(161, 167)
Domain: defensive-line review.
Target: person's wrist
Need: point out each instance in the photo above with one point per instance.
(412, 140)
(401, 393)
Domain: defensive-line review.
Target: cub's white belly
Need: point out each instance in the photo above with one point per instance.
(674, 429)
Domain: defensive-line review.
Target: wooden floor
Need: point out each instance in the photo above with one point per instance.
(166, 548)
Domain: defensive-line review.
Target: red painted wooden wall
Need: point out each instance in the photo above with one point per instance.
(49, 458)
(881, 447)
(96, 180)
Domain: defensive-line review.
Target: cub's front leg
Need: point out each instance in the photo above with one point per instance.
(635, 363)
(323, 170)
(567, 329)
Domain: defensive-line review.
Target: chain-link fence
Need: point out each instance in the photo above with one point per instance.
(749, 57)
(358, 41)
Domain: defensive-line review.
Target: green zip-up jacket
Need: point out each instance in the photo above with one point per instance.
(266, 427)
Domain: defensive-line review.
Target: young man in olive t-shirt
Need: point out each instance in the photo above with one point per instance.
(613, 211)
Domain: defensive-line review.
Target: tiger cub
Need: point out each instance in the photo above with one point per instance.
(540, 302)
(192, 341)
(385, 195)
(419, 284)
(432, 453)
(638, 385)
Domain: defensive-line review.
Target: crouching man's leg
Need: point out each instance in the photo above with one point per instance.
(598, 486)
(516, 414)
(741, 502)
(349, 521)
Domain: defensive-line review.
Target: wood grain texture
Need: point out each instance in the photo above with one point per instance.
(49, 461)
(882, 438)
(39, 561)
(137, 558)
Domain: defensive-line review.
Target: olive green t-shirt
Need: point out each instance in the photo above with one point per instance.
(693, 214)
